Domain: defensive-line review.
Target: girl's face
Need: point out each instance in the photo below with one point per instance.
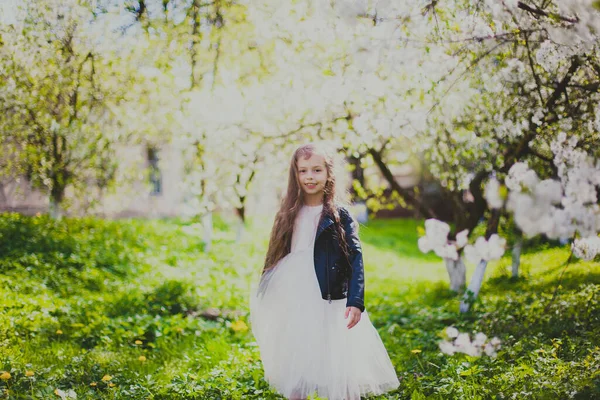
(312, 175)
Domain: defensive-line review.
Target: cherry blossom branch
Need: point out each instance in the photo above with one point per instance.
(469, 67)
(512, 154)
(543, 13)
(407, 195)
(538, 82)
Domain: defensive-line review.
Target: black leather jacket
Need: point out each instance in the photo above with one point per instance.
(339, 277)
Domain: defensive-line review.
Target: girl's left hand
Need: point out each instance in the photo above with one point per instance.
(354, 314)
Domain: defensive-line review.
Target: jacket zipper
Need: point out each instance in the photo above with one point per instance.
(327, 269)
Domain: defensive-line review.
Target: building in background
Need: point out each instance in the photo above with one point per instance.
(150, 187)
(151, 184)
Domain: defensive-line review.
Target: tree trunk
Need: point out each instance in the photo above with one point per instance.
(241, 227)
(516, 257)
(241, 230)
(57, 195)
(55, 209)
(3, 197)
(473, 289)
(241, 211)
(457, 273)
(207, 223)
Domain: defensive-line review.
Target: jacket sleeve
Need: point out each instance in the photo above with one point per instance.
(356, 286)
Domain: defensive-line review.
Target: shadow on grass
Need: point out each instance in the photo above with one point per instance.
(570, 281)
(24, 235)
(514, 307)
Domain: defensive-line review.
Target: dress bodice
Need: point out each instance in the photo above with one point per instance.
(305, 227)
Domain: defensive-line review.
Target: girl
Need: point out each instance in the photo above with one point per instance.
(308, 314)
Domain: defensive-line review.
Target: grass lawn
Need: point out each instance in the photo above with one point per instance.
(136, 310)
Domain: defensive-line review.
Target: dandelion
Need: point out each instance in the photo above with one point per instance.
(111, 385)
(93, 384)
(142, 358)
(29, 374)
(138, 342)
(5, 375)
(59, 332)
(239, 326)
(106, 378)
(417, 351)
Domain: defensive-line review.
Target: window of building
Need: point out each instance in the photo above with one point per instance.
(155, 176)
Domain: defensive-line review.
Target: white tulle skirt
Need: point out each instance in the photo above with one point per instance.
(305, 345)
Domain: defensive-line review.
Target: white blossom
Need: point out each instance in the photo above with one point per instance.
(587, 248)
(447, 251)
(487, 250)
(492, 194)
(557, 208)
(436, 240)
(451, 332)
(457, 342)
(462, 238)
(447, 347)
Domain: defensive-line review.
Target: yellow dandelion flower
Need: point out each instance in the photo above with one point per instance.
(59, 332)
(415, 351)
(5, 375)
(111, 384)
(93, 384)
(29, 373)
(138, 342)
(239, 326)
(106, 378)
(142, 358)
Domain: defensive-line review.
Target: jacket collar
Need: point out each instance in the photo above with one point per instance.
(326, 221)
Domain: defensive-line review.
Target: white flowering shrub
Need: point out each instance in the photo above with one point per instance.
(457, 342)
(561, 208)
(436, 239)
(486, 250)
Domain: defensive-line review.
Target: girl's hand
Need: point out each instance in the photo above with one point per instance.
(354, 314)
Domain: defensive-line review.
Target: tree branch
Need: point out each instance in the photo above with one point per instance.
(512, 154)
(539, 12)
(406, 194)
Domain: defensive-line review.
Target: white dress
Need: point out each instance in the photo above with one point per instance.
(305, 346)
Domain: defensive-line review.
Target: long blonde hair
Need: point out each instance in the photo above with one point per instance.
(280, 242)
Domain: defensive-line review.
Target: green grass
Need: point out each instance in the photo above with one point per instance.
(86, 298)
